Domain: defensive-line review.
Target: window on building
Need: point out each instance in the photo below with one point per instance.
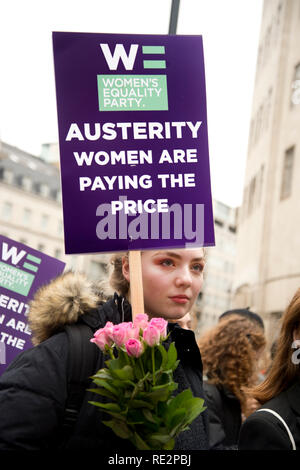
(58, 196)
(219, 223)
(8, 176)
(19, 180)
(295, 97)
(44, 190)
(14, 158)
(260, 184)
(251, 135)
(32, 165)
(53, 194)
(37, 188)
(251, 195)
(268, 109)
(259, 121)
(57, 253)
(60, 227)
(23, 182)
(287, 173)
(26, 183)
(44, 221)
(7, 210)
(41, 247)
(245, 203)
(268, 42)
(96, 270)
(27, 216)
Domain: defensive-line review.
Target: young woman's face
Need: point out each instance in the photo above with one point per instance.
(172, 280)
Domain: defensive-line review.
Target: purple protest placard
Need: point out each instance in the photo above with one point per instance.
(133, 142)
(22, 271)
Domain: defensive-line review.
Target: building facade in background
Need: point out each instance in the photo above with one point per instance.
(268, 242)
(216, 294)
(31, 209)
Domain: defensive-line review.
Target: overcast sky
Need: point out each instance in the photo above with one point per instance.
(230, 30)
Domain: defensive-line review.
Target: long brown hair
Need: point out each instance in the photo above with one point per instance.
(283, 372)
(116, 278)
(228, 353)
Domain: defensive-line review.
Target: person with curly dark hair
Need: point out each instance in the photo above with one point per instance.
(230, 353)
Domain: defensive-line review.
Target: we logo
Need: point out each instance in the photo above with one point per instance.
(132, 92)
(128, 59)
(14, 256)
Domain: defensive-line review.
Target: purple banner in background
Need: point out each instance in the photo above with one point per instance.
(133, 142)
(22, 271)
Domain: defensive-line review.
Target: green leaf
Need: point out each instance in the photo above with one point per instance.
(169, 445)
(161, 394)
(176, 403)
(139, 443)
(165, 378)
(193, 408)
(103, 392)
(106, 406)
(119, 428)
(159, 437)
(151, 417)
(162, 408)
(105, 384)
(102, 374)
(126, 373)
(123, 384)
(177, 418)
(164, 356)
(175, 365)
(161, 387)
(123, 357)
(172, 356)
(140, 404)
(114, 364)
(118, 416)
(138, 371)
(135, 416)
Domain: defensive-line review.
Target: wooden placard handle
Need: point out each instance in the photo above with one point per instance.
(136, 283)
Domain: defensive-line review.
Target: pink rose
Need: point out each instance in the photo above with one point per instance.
(141, 321)
(109, 327)
(132, 332)
(119, 334)
(151, 335)
(101, 339)
(134, 347)
(161, 324)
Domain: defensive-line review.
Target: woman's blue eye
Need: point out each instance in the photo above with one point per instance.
(198, 267)
(167, 262)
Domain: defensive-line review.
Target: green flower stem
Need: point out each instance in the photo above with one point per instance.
(153, 365)
(142, 367)
(111, 353)
(128, 360)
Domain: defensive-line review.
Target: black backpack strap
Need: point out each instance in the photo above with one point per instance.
(82, 364)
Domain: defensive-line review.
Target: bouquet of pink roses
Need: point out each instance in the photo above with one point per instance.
(138, 384)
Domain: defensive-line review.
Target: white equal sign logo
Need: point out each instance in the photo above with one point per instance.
(2, 353)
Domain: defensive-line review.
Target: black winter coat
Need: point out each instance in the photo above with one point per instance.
(264, 431)
(224, 414)
(33, 392)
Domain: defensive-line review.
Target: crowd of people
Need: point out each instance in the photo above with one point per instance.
(245, 410)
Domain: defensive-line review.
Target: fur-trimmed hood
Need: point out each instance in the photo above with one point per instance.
(61, 302)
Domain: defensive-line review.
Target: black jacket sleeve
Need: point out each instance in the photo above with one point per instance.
(33, 391)
(260, 431)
